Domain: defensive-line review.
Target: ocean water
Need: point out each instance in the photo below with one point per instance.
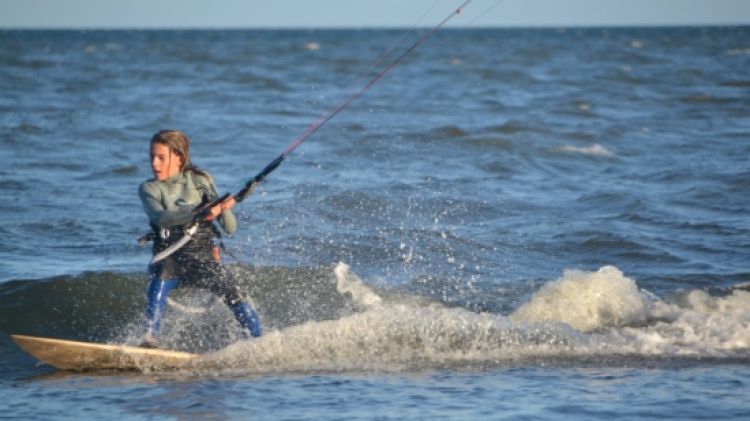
(525, 223)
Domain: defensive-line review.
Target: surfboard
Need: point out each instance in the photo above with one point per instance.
(87, 356)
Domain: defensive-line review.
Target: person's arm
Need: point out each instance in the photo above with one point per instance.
(226, 216)
(222, 211)
(157, 214)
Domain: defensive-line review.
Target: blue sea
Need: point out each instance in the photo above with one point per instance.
(512, 224)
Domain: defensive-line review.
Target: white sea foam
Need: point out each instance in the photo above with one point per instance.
(699, 325)
(581, 315)
(349, 282)
(593, 150)
(587, 301)
(396, 337)
(629, 320)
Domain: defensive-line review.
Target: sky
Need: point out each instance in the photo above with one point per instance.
(365, 13)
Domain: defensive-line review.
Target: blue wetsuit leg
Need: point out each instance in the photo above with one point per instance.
(158, 290)
(211, 275)
(247, 316)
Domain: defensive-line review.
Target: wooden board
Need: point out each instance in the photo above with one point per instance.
(74, 355)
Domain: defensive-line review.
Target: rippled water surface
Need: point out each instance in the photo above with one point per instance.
(512, 223)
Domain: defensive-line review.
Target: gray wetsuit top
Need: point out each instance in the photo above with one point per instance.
(170, 203)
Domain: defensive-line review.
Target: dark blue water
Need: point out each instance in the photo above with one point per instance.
(512, 223)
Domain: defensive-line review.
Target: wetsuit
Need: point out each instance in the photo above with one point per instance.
(169, 205)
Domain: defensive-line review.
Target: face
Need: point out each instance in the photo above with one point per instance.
(164, 162)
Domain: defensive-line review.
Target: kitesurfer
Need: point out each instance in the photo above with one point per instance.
(170, 200)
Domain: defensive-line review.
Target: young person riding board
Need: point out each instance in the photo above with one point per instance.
(169, 200)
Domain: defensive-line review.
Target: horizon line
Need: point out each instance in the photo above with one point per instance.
(373, 27)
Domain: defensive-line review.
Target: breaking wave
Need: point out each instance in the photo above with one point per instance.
(330, 320)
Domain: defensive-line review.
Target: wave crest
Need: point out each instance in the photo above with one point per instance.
(587, 301)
